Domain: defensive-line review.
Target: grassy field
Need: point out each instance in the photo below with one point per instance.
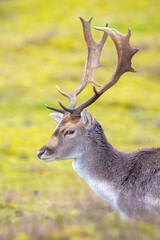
(41, 46)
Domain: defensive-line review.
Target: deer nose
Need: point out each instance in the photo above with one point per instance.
(40, 153)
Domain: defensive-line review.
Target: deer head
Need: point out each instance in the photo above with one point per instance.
(70, 136)
(67, 142)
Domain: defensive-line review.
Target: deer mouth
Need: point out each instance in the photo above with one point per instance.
(41, 155)
(48, 159)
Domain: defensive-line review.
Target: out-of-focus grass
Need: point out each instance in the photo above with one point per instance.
(41, 45)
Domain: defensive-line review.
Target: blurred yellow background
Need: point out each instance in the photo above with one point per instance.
(41, 46)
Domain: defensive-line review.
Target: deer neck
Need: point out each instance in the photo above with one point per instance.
(99, 160)
(99, 166)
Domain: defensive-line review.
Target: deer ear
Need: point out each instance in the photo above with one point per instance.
(56, 116)
(87, 119)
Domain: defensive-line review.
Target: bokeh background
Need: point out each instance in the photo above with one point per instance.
(41, 46)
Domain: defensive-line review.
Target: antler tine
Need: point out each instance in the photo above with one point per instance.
(55, 109)
(125, 53)
(92, 62)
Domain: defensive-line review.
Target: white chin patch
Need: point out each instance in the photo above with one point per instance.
(48, 159)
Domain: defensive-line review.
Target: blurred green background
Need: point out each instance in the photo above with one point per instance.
(41, 46)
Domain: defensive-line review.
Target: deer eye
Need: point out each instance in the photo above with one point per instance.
(69, 132)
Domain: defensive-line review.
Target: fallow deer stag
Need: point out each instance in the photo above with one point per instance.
(130, 182)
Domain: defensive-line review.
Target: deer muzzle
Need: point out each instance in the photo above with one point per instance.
(40, 154)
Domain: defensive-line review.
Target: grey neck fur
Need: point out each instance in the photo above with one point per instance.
(100, 158)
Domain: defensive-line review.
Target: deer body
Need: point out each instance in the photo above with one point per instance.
(130, 182)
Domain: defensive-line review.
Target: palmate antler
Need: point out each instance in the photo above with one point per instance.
(125, 53)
